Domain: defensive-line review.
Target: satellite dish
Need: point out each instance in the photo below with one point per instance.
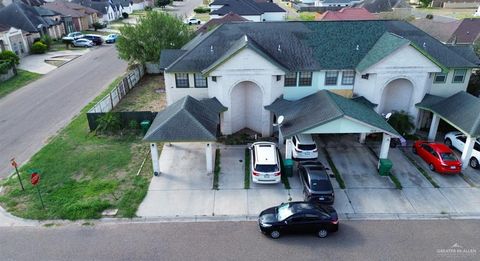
(388, 115)
(280, 119)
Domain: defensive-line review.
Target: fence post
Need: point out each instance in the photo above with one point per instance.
(111, 100)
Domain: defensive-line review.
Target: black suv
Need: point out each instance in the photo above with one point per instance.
(96, 39)
(316, 183)
(298, 217)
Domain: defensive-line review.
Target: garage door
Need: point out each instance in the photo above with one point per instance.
(246, 107)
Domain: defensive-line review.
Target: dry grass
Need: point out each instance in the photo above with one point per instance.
(148, 95)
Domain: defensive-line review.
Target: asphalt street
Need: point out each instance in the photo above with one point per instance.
(356, 240)
(184, 9)
(34, 113)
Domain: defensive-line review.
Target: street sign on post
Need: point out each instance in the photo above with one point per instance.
(15, 165)
(34, 179)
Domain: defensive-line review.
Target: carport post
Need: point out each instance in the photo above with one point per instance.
(362, 138)
(467, 151)
(384, 147)
(155, 161)
(432, 133)
(288, 148)
(209, 157)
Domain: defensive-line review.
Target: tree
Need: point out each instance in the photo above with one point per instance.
(401, 122)
(155, 31)
(162, 3)
(425, 3)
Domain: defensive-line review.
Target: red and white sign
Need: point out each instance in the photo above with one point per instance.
(35, 178)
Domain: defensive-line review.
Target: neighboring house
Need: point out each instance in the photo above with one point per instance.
(13, 39)
(82, 17)
(30, 20)
(467, 32)
(109, 11)
(347, 13)
(123, 6)
(442, 31)
(337, 3)
(140, 4)
(379, 6)
(253, 10)
(257, 70)
(460, 4)
(213, 23)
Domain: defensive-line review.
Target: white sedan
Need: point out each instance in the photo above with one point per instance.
(83, 43)
(192, 21)
(457, 140)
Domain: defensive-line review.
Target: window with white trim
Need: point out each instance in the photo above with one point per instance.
(348, 77)
(181, 80)
(331, 77)
(290, 79)
(305, 79)
(200, 81)
(440, 77)
(459, 75)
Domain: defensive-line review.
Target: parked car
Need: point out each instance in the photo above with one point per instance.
(317, 186)
(457, 140)
(192, 21)
(111, 38)
(96, 39)
(73, 36)
(298, 217)
(265, 163)
(82, 43)
(438, 156)
(304, 147)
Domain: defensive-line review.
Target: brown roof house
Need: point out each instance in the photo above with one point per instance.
(440, 30)
(346, 13)
(467, 32)
(83, 17)
(230, 17)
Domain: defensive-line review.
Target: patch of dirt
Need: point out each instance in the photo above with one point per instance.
(148, 95)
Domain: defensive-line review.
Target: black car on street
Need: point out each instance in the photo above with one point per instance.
(298, 217)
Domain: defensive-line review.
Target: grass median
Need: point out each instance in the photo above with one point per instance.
(18, 81)
(82, 174)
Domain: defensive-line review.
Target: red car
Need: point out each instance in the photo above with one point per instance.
(438, 156)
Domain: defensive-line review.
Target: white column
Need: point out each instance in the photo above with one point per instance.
(209, 157)
(385, 146)
(467, 151)
(433, 127)
(280, 136)
(288, 149)
(362, 138)
(155, 161)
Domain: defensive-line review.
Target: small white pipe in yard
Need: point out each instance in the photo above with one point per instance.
(143, 163)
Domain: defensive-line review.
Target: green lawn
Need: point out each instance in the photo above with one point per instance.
(21, 79)
(82, 174)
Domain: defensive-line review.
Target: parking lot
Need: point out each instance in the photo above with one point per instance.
(184, 189)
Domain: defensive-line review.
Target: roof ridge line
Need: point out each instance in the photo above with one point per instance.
(329, 93)
(23, 13)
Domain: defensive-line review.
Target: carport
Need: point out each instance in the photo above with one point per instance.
(187, 120)
(325, 112)
(461, 110)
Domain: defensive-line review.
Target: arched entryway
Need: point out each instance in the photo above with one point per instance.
(246, 107)
(397, 96)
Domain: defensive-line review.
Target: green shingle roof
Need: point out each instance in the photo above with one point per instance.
(187, 120)
(386, 44)
(462, 110)
(323, 107)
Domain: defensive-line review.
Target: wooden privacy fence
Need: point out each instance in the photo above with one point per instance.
(124, 86)
(126, 117)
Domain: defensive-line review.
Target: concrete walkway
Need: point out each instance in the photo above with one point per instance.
(36, 62)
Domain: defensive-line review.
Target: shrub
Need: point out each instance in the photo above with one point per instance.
(38, 48)
(202, 10)
(162, 3)
(47, 40)
(133, 125)
(109, 122)
(125, 15)
(148, 8)
(4, 66)
(97, 26)
(10, 57)
(401, 122)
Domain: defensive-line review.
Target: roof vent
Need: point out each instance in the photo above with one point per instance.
(358, 47)
(468, 32)
(279, 49)
(246, 38)
(424, 45)
(211, 48)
